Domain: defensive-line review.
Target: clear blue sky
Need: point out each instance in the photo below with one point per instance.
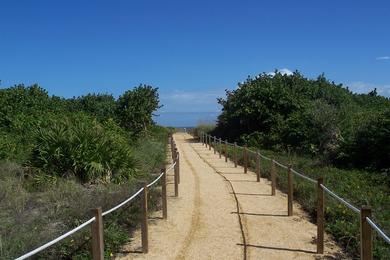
(191, 50)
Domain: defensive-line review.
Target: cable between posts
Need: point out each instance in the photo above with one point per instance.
(378, 230)
(303, 176)
(346, 203)
(123, 203)
(39, 249)
(281, 165)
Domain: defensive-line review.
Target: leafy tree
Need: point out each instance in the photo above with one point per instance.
(102, 106)
(135, 108)
(312, 116)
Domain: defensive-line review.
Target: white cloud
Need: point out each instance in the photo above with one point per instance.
(383, 58)
(283, 71)
(189, 101)
(364, 87)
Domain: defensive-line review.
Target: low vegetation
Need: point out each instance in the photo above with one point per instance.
(59, 158)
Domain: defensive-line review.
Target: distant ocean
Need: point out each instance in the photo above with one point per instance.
(185, 119)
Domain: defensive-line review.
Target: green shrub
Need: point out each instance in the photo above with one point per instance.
(80, 146)
(311, 116)
(203, 128)
(135, 108)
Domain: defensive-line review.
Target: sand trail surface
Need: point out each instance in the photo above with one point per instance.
(223, 213)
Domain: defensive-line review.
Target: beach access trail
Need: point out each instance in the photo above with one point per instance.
(223, 213)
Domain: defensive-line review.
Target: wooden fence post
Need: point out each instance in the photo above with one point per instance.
(172, 147)
(258, 166)
(164, 194)
(290, 187)
(209, 143)
(178, 167)
(175, 179)
(320, 216)
(220, 148)
(215, 145)
(245, 159)
(273, 178)
(365, 234)
(144, 220)
(226, 151)
(97, 235)
(235, 154)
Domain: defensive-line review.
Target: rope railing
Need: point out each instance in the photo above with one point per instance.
(91, 220)
(204, 137)
(304, 176)
(48, 244)
(281, 165)
(378, 230)
(343, 201)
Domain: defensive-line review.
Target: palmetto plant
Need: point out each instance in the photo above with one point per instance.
(81, 146)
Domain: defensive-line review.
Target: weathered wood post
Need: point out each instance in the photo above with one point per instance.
(273, 178)
(290, 192)
(220, 148)
(97, 235)
(144, 220)
(235, 154)
(258, 166)
(365, 234)
(175, 178)
(178, 167)
(172, 147)
(209, 143)
(164, 201)
(177, 162)
(245, 159)
(205, 139)
(320, 216)
(215, 145)
(226, 151)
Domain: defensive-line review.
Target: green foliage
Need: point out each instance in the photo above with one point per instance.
(76, 156)
(315, 117)
(80, 146)
(135, 108)
(101, 106)
(370, 145)
(203, 128)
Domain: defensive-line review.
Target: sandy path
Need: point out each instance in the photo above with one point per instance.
(222, 213)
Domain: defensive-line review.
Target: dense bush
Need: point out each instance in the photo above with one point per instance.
(80, 146)
(315, 117)
(135, 108)
(101, 106)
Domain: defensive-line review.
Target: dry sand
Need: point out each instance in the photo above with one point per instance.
(223, 213)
